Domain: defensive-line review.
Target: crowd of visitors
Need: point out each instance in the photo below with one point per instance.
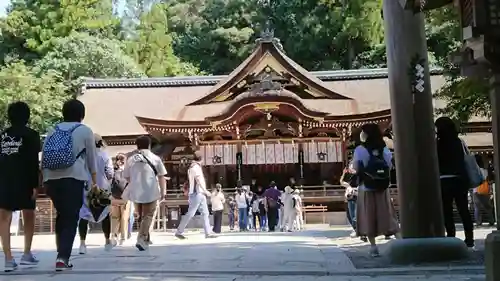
(367, 178)
(262, 210)
(86, 185)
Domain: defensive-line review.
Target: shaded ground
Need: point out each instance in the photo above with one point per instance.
(357, 251)
(318, 253)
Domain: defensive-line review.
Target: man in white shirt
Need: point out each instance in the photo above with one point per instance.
(145, 173)
(197, 194)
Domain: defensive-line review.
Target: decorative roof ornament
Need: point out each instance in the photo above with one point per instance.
(266, 84)
(267, 34)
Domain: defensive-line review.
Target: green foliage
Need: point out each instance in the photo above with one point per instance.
(214, 34)
(464, 97)
(95, 57)
(151, 47)
(31, 25)
(44, 93)
(58, 42)
(319, 35)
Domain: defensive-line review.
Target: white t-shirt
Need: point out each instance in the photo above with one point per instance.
(217, 199)
(143, 186)
(241, 200)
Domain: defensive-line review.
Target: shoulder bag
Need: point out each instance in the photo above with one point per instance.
(474, 173)
(150, 164)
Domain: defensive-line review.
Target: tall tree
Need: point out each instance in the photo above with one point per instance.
(219, 34)
(83, 55)
(151, 47)
(43, 93)
(213, 34)
(31, 25)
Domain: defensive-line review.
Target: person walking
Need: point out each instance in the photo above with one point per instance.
(350, 181)
(372, 164)
(242, 202)
(98, 210)
(231, 212)
(217, 199)
(297, 204)
(271, 198)
(481, 196)
(255, 202)
(145, 174)
(19, 180)
(289, 210)
(68, 157)
(197, 193)
(120, 209)
(455, 183)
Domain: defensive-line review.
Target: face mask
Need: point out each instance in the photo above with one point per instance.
(363, 136)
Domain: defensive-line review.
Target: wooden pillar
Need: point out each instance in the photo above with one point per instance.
(492, 242)
(345, 140)
(413, 122)
(239, 163)
(301, 163)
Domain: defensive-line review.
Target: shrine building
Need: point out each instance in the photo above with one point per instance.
(268, 120)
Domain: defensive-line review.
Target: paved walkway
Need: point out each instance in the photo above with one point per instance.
(313, 254)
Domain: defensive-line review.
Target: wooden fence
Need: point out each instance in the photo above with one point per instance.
(46, 215)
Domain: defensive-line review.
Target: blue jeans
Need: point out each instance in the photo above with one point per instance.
(67, 196)
(243, 218)
(263, 222)
(132, 219)
(351, 213)
(197, 202)
(230, 216)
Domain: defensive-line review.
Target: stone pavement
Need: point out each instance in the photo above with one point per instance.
(313, 254)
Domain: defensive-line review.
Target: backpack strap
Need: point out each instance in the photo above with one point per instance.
(75, 127)
(81, 153)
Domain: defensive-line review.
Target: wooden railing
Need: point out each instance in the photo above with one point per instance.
(45, 212)
(308, 191)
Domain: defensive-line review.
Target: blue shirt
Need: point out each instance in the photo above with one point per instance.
(362, 156)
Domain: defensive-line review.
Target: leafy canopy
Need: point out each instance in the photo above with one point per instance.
(43, 93)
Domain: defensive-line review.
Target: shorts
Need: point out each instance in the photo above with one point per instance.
(13, 199)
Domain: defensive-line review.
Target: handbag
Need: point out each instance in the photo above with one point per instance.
(484, 188)
(474, 173)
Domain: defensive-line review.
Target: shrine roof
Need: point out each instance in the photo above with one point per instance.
(112, 110)
(211, 80)
(114, 106)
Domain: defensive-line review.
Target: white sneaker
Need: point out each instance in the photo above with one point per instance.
(353, 234)
(112, 243)
(83, 249)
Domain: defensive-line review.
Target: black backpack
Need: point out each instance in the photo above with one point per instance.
(376, 175)
(118, 185)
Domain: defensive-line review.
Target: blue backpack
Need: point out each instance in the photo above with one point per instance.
(58, 150)
(376, 175)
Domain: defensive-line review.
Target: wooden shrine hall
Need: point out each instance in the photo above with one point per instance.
(268, 120)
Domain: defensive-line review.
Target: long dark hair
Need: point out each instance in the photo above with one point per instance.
(446, 128)
(374, 139)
